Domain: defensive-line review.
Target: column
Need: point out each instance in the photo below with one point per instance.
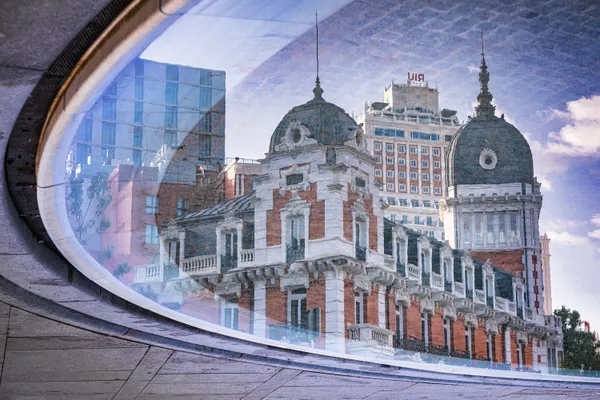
(335, 328)
(381, 306)
(181, 248)
(238, 230)
(260, 308)
(219, 248)
(162, 259)
(507, 346)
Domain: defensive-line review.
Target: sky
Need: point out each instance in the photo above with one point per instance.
(543, 59)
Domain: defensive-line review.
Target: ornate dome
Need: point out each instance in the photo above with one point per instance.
(487, 149)
(316, 121)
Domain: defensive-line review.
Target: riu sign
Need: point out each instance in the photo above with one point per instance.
(416, 77)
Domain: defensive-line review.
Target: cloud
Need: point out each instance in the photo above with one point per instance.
(473, 68)
(580, 136)
(559, 225)
(567, 238)
(595, 234)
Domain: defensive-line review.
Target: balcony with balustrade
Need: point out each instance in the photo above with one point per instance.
(388, 262)
(360, 252)
(246, 257)
(369, 340)
(201, 266)
(458, 289)
(400, 268)
(437, 282)
(148, 274)
(294, 252)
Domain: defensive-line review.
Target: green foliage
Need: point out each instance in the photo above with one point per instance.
(122, 269)
(97, 198)
(579, 347)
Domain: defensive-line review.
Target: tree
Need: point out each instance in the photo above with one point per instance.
(88, 212)
(579, 346)
(122, 269)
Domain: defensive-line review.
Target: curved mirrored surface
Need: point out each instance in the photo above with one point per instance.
(382, 205)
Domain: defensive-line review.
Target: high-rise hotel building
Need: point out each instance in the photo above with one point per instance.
(409, 136)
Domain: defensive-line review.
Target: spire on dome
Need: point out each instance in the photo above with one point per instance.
(318, 91)
(484, 98)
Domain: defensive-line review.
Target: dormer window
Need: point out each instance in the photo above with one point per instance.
(294, 179)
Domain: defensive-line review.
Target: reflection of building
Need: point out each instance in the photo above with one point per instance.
(159, 120)
(409, 137)
(237, 177)
(547, 291)
(149, 106)
(309, 258)
(494, 203)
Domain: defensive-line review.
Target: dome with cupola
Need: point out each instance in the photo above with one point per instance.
(487, 149)
(316, 122)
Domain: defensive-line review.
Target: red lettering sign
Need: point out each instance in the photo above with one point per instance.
(416, 77)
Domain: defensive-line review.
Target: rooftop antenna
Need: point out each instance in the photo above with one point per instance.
(317, 90)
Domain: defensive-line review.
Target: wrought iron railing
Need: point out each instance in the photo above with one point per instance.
(411, 344)
(448, 286)
(400, 268)
(490, 301)
(291, 334)
(228, 261)
(361, 252)
(520, 312)
(425, 279)
(294, 252)
(469, 293)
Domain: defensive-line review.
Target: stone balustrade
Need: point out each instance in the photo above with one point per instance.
(147, 273)
(201, 265)
(479, 296)
(371, 334)
(512, 308)
(246, 257)
(459, 289)
(414, 272)
(501, 304)
(437, 282)
(388, 261)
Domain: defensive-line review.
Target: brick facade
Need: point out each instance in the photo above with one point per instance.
(511, 261)
(316, 219)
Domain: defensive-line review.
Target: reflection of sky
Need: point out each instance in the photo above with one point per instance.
(541, 55)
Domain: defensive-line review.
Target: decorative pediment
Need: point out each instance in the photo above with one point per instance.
(230, 222)
(359, 183)
(446, 250)
(296, 135)
(358, 208)
(295, 206)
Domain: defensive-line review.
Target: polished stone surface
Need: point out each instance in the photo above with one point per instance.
(42, 358)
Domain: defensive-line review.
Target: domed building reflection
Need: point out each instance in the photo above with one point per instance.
(308, 257)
